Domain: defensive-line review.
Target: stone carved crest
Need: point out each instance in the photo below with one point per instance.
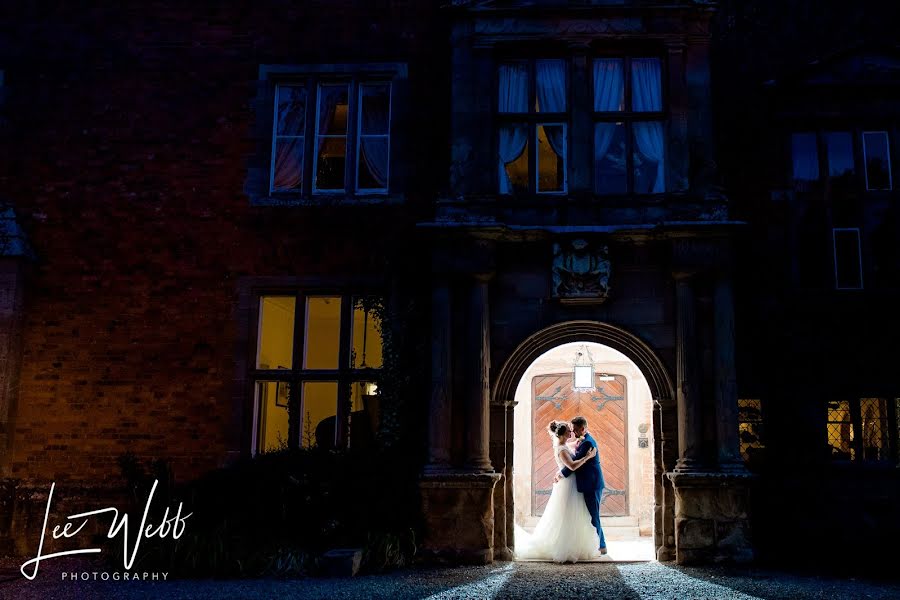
(580, 272)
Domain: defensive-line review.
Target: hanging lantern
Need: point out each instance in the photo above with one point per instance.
(583, 372)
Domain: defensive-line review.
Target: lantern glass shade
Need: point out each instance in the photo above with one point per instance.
(584, 377)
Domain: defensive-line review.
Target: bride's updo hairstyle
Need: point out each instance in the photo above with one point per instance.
(558, 428)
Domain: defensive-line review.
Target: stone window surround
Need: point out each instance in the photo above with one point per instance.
(258, 183)
(582, 114)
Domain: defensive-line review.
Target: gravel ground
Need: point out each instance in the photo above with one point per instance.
(502, 580)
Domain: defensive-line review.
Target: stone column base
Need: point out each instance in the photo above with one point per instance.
(458, 512)
(712, 521)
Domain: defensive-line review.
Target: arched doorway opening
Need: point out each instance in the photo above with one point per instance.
(619, 411)
(644, 385)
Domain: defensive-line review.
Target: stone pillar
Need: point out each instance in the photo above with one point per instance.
(677, 153)
(439, 409)
(690, 432)
(478, 391)
(711, 518)
(729, 453)
(501, 462)
(508, 473)
(460, 504)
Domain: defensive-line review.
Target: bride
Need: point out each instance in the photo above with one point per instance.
(564, 532)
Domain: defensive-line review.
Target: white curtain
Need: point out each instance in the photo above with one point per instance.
(513, 98)
(609, 96)
(550, 78)
(609, 92)
(649, 139)
(288, 163)
(513, 88)
(646, 93)
(375, 154)
(512, 144)
(374, 148)
(603, 135)
(289, 150)
(646, 96)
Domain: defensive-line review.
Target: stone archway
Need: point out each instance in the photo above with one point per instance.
(664, 421)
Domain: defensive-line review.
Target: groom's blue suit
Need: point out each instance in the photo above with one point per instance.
(589, 481)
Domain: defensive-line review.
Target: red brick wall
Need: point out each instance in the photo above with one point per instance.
(126, 151)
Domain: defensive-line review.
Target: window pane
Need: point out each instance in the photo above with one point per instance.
(275, 346)
(878, 160)
(873, 412)
(367, 342)
(323, 329)
(291, 110)
(649, 158)
(375, 108)
(609, 85)
(272, 416)
(839, 145)
(513, 150)
(609, 158)
(331, 141)
(330, 163)
(364, 414)
(551, 158)
(550, 86)
(805, 158)
(372, 172)
(319, 414)
(288, 170)
(512, 88)
(840, 430)
(847, 268)
(332, 110)
(646, 85)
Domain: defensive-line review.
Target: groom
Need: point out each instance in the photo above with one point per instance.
(589, 478)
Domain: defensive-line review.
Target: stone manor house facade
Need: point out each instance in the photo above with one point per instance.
(204, 205)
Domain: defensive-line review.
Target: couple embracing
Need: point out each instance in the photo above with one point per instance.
(569, 530)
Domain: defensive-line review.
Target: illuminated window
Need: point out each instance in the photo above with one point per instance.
(873, 415)
(863, 429)
(750, 427)
(840, 431)
(316, 376)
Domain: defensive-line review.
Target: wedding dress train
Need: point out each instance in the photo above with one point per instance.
(564, 532)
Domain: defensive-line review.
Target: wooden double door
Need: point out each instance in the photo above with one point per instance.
(605, 409)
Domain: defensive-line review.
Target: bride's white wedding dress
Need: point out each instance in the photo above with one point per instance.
(564, 532)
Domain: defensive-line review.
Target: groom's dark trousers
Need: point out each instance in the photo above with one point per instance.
(589, 481)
